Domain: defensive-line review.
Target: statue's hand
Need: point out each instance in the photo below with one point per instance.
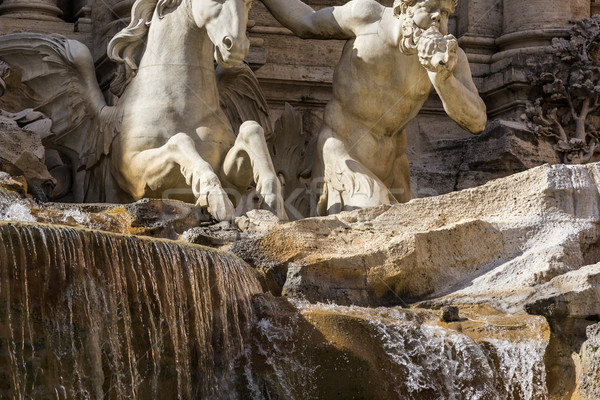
(438, 53)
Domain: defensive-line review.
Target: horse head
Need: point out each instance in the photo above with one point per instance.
(225, 22)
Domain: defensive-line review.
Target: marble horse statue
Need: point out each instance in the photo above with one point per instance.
(167, 131)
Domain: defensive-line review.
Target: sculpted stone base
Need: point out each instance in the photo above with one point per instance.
(528, 242)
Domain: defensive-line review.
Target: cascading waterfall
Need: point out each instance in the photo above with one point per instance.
(91, 315)
(412, 354)
(14, 208)
(442, 363)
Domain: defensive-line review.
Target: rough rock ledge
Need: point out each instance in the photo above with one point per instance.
(509, 243)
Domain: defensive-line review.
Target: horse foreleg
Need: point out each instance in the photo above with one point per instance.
(249, 159)
(156, 168)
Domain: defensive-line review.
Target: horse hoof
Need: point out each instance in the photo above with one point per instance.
(218, 205)
(275, 204)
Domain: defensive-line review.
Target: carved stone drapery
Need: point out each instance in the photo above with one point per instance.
(45, 10)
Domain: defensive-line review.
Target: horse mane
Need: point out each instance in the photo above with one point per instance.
(127, 47)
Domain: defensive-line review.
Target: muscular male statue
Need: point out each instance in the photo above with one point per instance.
(390, 62)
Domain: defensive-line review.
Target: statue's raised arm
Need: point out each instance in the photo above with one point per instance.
(393, 58)
(450, 74)
(341, 22)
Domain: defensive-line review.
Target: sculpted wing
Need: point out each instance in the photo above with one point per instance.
(241, 97)
(61, 74)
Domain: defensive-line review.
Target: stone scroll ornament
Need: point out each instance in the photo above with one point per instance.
(566, 110)
(167, 135)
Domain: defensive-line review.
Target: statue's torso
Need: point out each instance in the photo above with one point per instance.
(174, 89)
(181, 105)
(377, 91)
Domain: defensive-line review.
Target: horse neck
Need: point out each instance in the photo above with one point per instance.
(177, 48)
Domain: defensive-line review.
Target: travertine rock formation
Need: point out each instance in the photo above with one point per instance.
(148, 217)
(444, 164)
(588, 385)
(500, 243)
(21, 149)
(529, 242)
